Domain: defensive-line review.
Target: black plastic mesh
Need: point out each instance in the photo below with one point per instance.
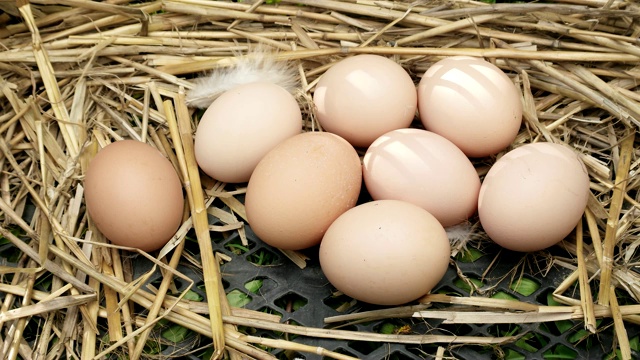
(284, 283)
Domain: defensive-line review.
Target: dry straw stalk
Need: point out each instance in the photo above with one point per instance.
(76, 75)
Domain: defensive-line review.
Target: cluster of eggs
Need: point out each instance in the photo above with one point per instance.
(303, 188)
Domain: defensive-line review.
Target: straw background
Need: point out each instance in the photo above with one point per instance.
(76, 75)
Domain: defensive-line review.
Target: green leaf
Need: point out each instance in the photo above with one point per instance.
(237, 298)
(448, 292)
(298, 303)
(45, 282)
(634, 343)
(532, 342)
(175, 333)
(254, 285)
(513, 355)
(152, 347)
(507, 329)
(560, 352)
(551, 301)
(524, 346)
(193, 296)
(469, 255)
(617, 354)
(237, 249)
(387, 328)
(503, 296)
(207, 354)
(563, 325)
(525, 286)
(262, 258)
(465, 286)
(578, 336)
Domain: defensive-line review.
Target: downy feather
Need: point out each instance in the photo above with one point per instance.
(259, 65)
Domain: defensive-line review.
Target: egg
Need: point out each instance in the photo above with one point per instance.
(363, 97)
(425, 169)
(472, 103)
(300, 187)
(533, 196)
(385, 252)
(134, 195)
(241, 126)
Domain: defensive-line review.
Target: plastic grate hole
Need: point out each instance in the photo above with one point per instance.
(216, 236)
(469, 284)
(238, 298)
(393, 326)
(504, 296)
(532, 342)
(469, 255)
(506, 353)
(285, 336)
(503, 330)
(525, 286)
(268, 310)
(447, 290)
(291, 302)
(560, 327)
(582, 339)
(455, 329)
(290, 355)
(264, 257)
(180, 284)
(399, 356)
(560, 352)
(155, 283)
(236, 247)
(476, 352)
(364, 347)
(546, 297)
(33, 329)
(248, 330)
(260, 285)
(339, 302)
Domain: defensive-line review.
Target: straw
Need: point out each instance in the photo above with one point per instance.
(77, 75)
(610, 239)
(181, 132)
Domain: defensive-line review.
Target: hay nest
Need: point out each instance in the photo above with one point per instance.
(77, 75)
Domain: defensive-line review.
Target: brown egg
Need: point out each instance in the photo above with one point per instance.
(300, 187)
(134, 195)
(365, 96)
(425, 169)
(472, 103)
(533, 196)
(385, 252)
(241, 126)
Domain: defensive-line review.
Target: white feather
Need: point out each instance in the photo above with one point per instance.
(461, 233)
(259, 65)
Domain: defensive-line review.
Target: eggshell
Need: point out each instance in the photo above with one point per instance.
(363, 97)
(533, 196)
(134, 195)
(241, 126)
(385, 252)
(425, 169)
(472, 103)
(300, 187)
